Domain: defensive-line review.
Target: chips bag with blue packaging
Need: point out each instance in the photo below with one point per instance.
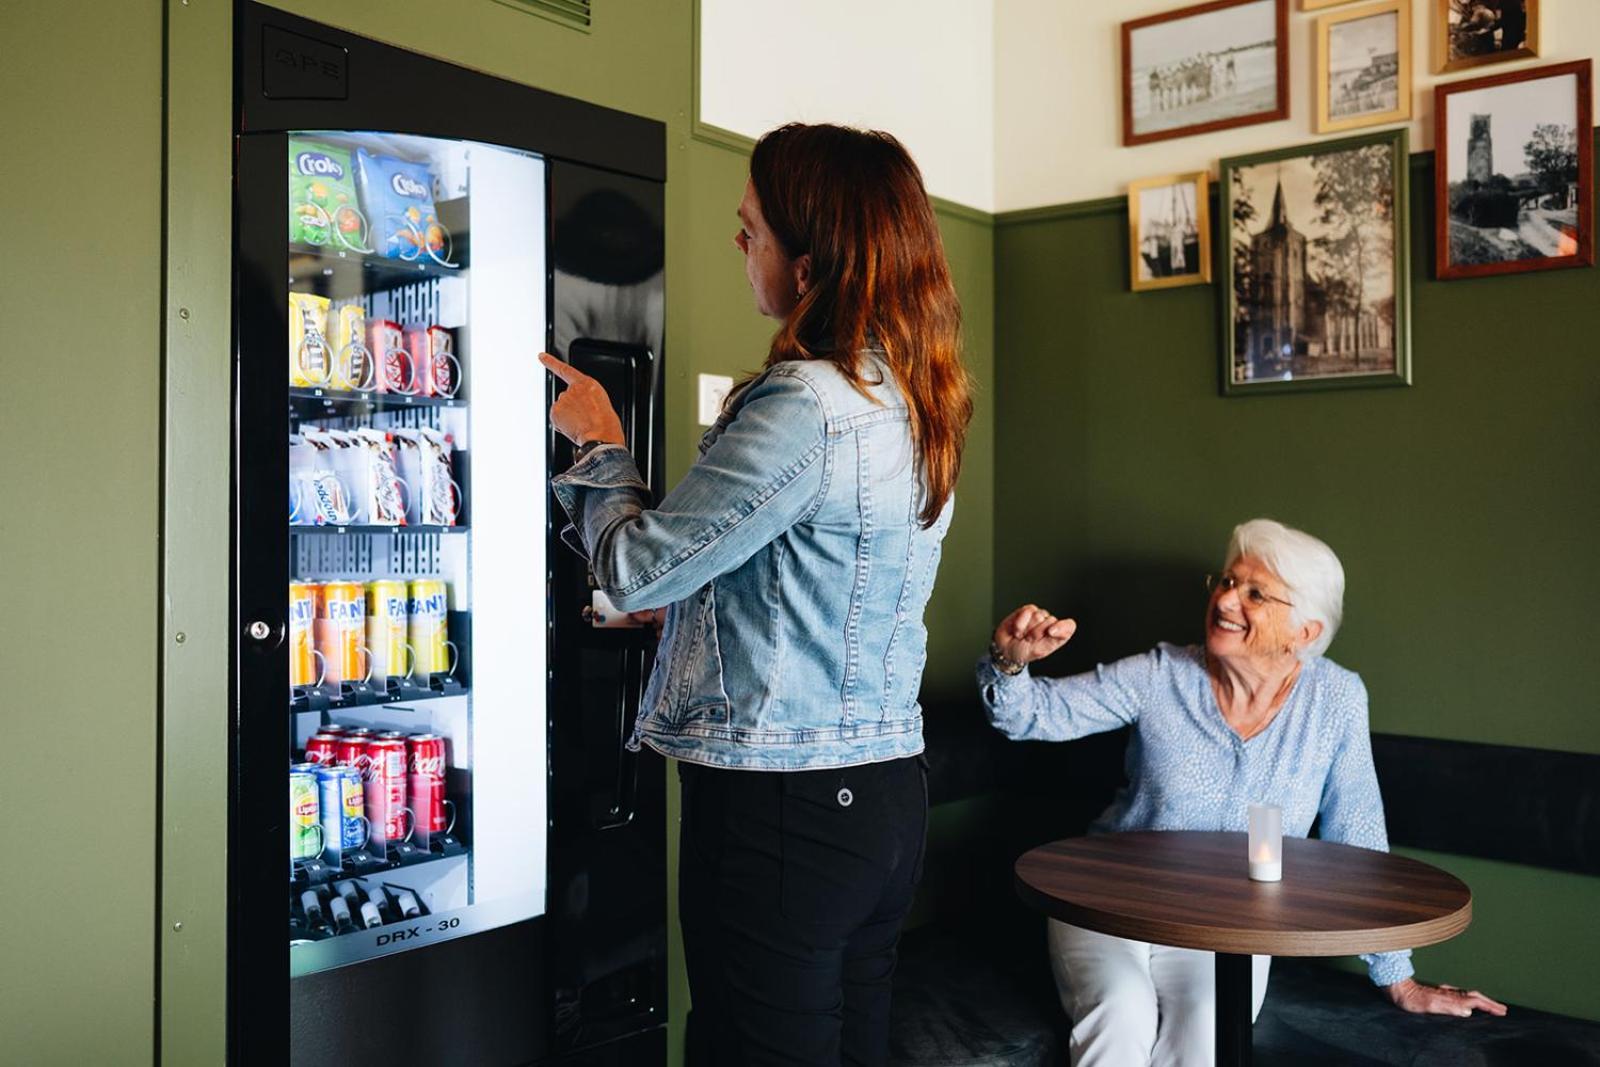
(398, 197)
(322, 196)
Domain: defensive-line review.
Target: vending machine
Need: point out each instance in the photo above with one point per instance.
(441, 851)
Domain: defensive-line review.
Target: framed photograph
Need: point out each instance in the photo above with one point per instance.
(1318, 5)
(1470, 33)
(1514, 172)
(1204, 67)
(1364, 66)
(1169, 231)
(1317, 266)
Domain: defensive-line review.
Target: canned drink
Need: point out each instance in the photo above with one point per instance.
(302, 636)
(322, 749)
(353, 752)
(386, 627)
(305, 831)
(395, 372)
(342, 631)
(427, 760)
(344, 821)
(428, 626)
(386, 787)
(333, 729)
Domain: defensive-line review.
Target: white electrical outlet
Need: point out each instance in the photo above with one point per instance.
(713, 391)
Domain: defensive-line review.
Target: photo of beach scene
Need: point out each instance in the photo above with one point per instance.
(1204, 68)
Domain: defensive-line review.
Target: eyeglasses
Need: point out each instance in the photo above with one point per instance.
(1249, 592)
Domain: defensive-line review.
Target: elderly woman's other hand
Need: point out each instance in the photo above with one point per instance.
(1441, 999)
(1031, 633)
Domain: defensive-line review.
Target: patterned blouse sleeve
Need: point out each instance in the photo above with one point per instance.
(1352, 811)
(1025, 708)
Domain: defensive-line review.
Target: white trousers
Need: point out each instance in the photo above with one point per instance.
(1135, 1004)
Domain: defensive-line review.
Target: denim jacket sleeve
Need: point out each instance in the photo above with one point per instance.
(762, 475)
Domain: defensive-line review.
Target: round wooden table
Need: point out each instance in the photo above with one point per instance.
(1192, 890)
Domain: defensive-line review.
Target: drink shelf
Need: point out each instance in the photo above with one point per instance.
(337, 695)
(312, 402)
(313, 268)
(365, 529)
(402, 855)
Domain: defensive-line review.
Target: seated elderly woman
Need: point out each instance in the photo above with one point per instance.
(1256, 714)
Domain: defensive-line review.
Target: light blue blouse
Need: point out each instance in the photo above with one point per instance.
(1187, 770)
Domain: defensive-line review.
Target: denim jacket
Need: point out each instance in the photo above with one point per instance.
(795, 571)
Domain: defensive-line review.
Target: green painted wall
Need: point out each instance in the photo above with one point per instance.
(1463, 507)
(81, 426)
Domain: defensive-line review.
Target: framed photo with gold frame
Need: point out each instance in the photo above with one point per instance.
(1364, 66)
(1473, 33)
(1169, 231)
(1318, 5)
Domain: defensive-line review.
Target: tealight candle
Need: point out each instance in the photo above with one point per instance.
(1266, 843)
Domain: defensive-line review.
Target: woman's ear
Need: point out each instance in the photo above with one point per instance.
(802, 274)
(1309, 632)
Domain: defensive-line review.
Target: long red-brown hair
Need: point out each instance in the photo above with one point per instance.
(855, 201)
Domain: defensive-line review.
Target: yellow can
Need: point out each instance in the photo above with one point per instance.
(387, 619)
(429, 629)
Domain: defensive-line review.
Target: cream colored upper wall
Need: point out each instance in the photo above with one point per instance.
(921, 69)
(1058, 125)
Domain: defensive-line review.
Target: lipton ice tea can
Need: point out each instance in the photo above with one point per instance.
(302, 640)
(342, 631)
(387, 621)
(305, 829)
(428, 608)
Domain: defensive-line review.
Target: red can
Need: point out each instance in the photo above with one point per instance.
(333, 729)
(352, 751)
(386, 793)
(323, 748)
(428, 760)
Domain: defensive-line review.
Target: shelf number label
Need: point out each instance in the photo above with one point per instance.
(416, 933)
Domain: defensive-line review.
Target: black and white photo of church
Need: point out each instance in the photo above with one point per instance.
(1313, 269)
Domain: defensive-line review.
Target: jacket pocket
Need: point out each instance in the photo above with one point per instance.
(702, 696)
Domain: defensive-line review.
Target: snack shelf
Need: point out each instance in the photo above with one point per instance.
(315, 402)
(311, 267)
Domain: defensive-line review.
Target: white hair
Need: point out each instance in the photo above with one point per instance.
(1306, 565)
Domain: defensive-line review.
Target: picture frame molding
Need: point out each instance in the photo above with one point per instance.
(1401, 375)
(1280, 109)
(1583, 70)
(1322, 64)
(1443, 64)
(1202, 183)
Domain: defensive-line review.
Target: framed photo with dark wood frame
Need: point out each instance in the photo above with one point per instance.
(1316, 266)
(1364, 66)
(1205, 67)
(1169, 231)
(1473, 33)
(1514, 172)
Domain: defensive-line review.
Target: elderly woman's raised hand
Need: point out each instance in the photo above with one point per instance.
(1032, 633)
(1441, 999)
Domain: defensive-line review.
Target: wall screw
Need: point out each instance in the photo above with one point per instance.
(183, 313)
(180, 637)
(178, 925)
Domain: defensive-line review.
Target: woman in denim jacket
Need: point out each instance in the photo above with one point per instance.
(795, 560)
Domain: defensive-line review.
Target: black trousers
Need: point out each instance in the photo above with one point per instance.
(792, 888)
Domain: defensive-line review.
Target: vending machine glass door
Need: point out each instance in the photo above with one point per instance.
(416, 510)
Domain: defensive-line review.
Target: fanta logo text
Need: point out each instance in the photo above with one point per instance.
(344, 609)
(406, 185)
(431, 605)
(317, 164)
(302, 610)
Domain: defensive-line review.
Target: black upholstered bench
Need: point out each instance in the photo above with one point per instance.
(981, 995)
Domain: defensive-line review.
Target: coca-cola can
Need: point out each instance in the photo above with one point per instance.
(428, 759)
(333, 729)
(386, 792)
(351, 751)
(323, 749)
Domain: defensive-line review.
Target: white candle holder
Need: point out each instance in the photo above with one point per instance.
(1266, 843)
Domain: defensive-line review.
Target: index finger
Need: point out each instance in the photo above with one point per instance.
(564, 371)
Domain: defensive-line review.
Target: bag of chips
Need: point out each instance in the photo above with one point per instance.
(322, 197)
(398, 197)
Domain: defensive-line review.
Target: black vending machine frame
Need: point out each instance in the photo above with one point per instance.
(584, 983)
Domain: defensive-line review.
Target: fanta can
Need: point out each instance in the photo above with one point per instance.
(386, 627)
(342, 631)
(302, 640)
(429, 630)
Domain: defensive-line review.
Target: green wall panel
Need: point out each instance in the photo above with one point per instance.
(81, 425)
(1463, 507)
